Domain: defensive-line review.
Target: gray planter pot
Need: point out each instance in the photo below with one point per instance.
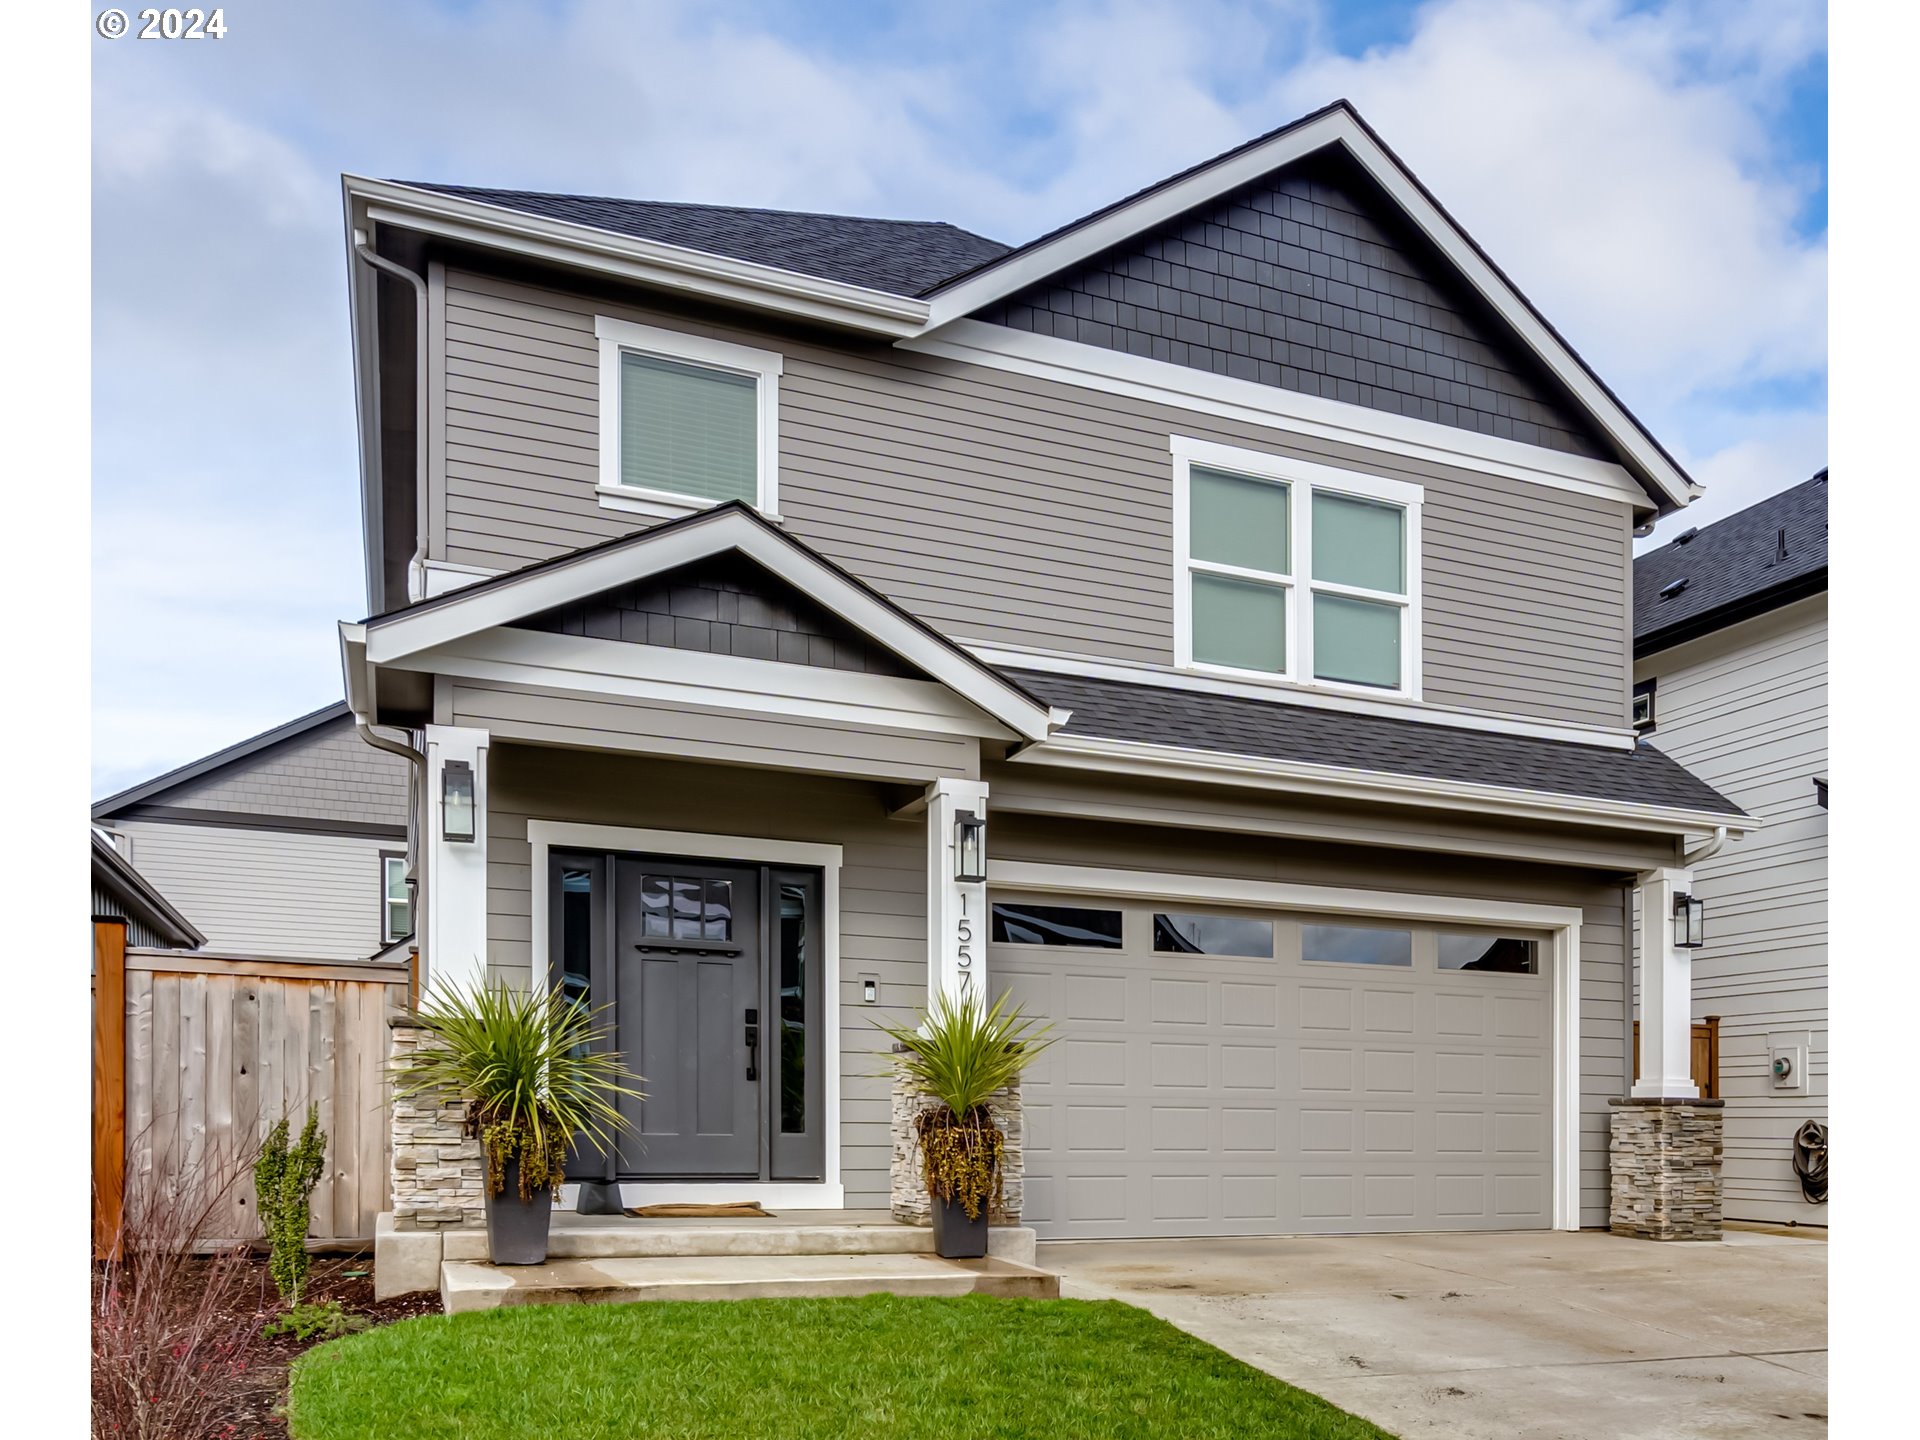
(955, 1237)
(517, 1229)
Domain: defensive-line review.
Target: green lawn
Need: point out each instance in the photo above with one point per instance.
(899, 1368)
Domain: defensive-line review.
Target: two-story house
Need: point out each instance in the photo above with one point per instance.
(1730, 678)
(1211, 621)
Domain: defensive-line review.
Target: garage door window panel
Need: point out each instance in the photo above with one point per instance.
(1060, 925)
(1486, 953)
(1355, 945)
(1213, 935)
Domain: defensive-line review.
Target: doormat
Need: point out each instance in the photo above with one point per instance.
(737, 1210)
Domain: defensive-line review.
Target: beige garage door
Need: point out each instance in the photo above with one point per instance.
(1235, 1072)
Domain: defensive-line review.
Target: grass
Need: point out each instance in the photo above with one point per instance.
(884, 1365)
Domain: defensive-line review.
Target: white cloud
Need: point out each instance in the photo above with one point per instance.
(1616, 160)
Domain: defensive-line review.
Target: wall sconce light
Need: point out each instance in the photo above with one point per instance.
(456, 800)
(970, 848)
(1689, 922)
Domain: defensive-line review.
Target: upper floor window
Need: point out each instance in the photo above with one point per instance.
(1293, 570)
(396, 899)
(685, 422)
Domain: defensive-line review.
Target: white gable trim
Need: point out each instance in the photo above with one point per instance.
(1336, 126)
(510, 598)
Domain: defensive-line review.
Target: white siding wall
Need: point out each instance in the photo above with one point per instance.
(1746, 710)
(270, 894)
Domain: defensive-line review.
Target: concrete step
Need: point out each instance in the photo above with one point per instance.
(471, 1285)
(574, 1238)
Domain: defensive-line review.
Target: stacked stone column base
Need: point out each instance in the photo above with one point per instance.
(438, 1173)
(1665, 1160)
(910, 1203)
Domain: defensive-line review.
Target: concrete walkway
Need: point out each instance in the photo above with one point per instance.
(1537, 1335)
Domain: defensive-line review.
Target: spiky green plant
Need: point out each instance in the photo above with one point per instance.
(959, 1055)
(526, 1064)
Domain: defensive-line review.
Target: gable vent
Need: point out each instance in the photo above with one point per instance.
(1673, 588)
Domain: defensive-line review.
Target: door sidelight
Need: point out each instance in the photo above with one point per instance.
(753, 1044)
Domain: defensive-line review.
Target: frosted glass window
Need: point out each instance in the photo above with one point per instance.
(1357, 641)
(688, 429)
(1360, 543)
(1240, 623)
(1237, 521)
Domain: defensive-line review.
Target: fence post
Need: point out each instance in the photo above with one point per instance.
(109, 1082)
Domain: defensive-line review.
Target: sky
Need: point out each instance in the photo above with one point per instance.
(1652, 175)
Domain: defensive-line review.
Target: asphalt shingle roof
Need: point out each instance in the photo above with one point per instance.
(1767, 554)
(1233, 725)
(899, 257)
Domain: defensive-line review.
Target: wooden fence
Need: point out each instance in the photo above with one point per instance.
(216, 1049)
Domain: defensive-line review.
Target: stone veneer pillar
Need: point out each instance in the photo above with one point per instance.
(910, 1203)
(1665, 1161)
(437, 1171)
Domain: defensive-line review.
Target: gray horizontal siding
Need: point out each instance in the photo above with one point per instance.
(329, 773)
(882, 891)
(268, 894)
(1746, 710)
(618, 722)
(1009, 510)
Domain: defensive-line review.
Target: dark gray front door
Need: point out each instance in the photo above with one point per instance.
(691, 1015)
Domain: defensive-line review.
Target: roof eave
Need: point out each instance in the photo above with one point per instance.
(137, 894)
(195, 769)
(1087, 752)
(629, 258)
(1721, 617)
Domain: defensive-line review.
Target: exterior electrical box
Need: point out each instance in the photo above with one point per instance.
(1787, 1061)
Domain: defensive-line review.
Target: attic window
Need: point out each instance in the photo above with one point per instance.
(686, 423)
(1673, 588)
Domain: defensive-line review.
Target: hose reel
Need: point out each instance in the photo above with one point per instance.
(1810, 1161)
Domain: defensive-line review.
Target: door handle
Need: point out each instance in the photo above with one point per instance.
(753, 1044)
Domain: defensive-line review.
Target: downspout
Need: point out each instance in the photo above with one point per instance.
(1707, 850)
(417, 566)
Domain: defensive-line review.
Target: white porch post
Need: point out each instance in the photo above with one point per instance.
(1666, 993)
(956, 913)
(455, 941)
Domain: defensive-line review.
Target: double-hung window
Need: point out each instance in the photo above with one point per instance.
(685, 422)
(396, 900)
(1296, 571)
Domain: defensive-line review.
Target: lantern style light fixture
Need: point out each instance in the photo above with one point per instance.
(456, 800)
(970, 848)
(1689, 922)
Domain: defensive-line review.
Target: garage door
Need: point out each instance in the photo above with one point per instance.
(1223, 1072)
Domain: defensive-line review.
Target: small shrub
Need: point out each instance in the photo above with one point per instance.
(316, 1320)
(283, 1181)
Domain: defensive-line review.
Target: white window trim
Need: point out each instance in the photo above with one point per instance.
(828, 1193)
(387, 933)
(1303, 478)
(618, 337)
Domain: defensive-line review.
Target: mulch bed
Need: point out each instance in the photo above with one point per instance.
(260, 1410)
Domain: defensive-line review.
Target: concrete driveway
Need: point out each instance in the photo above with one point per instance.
(1537, 1334)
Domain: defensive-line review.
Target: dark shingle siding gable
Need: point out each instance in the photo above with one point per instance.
(328, 774)
(899, 257)
(1232, 725)
(1303, 282)
(1733, 568)
(727, 605)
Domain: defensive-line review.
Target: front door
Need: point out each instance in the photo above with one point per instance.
(713, 972)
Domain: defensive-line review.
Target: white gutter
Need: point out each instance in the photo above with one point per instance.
(1124, 757)
(1707, 850)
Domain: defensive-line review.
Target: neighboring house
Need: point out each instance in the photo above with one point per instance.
(122, 895)
(291, 845)
(1248, 556)
(1730, 678)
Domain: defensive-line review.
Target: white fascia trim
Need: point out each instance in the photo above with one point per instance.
(650, 554)
(1562, 922)
(1051, 877)
(617, 337)
(647, 262)
(1334, 127)
(1126, 757)
(1283, 691)
(1160, 382)
(356, 673)
(444, 576)
(544, 835)
(589, 666)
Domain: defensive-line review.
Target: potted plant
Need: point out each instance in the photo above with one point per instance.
(525, 1063)
(960, 1055)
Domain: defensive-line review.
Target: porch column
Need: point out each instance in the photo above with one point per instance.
(454, 942)
(1666, 993)
(956, 913)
